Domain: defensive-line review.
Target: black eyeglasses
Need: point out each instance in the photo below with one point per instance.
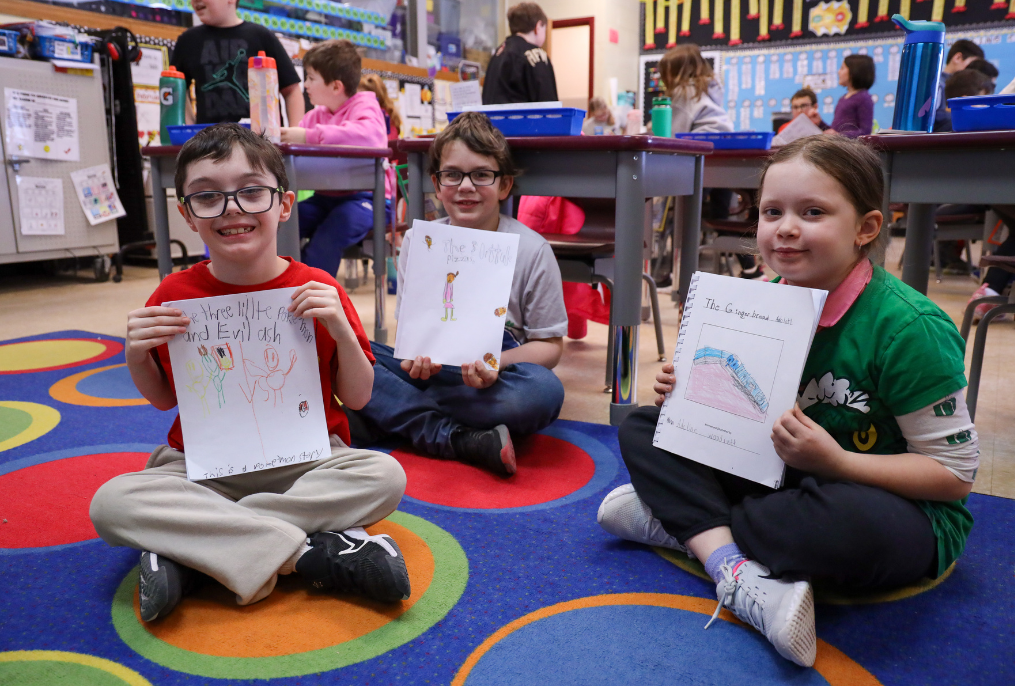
(212, 204)
(479, 177)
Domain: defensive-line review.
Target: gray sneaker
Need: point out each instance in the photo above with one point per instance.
(625, 515)
(783, 611)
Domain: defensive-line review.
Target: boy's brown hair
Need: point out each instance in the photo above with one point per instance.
(336, 60)
(806, 93)
(524, 17)
(856, 168)
(480, 136)
(683, 67)
(219, 142)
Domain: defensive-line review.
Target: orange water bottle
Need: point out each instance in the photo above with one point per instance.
(262, 86)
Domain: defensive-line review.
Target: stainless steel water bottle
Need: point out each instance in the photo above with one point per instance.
(919, 74)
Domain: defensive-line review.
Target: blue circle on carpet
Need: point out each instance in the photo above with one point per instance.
(635, 644)
(111, 384)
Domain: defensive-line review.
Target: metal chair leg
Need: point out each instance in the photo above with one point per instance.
(608, 388)
(653, 293)
(976, 362)
(967, 318)
(938, 273)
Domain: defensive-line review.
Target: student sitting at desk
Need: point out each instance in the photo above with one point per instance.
(469, 414)
(854, 113)
(331, 222)
(805, 101)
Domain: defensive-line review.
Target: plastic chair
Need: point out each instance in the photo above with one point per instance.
(1004, 305)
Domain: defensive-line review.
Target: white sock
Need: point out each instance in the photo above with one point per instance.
(289, 566)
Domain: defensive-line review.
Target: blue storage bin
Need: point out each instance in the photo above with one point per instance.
(983, 113)
(734, 140)
(54, 48)
(178, 135)
(558, 121)
(8, 42)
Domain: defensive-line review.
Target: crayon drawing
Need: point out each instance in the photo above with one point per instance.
(429, 242)
(500, 312)
(198, 386)
(449, 297)
(271, 380)
(490, 360)
(216, 368)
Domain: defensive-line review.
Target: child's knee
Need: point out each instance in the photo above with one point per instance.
(105, 510)
(390, 478)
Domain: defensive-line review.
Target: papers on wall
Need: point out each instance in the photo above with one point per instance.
(740, 353)
(148, 70)
(455, 288)
(412, 100)
(97, 194)
(40, 206)
(800, 127)
(41, 125)
(392, 87)
(145, 75)
(248, 385)
(465, 94)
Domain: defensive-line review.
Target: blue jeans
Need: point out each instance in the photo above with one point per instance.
(526, 397)
(333, 224)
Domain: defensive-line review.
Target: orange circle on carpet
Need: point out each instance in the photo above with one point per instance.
(47, 504)
(54, 353)
(292, 619)
(548, 468)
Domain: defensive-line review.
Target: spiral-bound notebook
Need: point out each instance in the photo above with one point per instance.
(740, 353)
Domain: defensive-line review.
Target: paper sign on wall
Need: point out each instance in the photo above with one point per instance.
(248, 385)
(40, 206)
(464, 94)
(97, 194)
(453, 301)
(41, 125)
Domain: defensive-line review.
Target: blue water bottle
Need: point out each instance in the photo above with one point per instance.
(919, 74)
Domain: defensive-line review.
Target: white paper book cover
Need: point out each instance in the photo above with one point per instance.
(247, 384)
(740, 352)
(456, 284)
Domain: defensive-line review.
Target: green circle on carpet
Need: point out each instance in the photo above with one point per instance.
(451, 573)
(12, 422)
(46, 672)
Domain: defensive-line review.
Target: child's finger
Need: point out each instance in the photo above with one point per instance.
(668, 368)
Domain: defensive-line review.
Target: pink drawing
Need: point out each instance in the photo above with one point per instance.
(449, 298)
(272, 380)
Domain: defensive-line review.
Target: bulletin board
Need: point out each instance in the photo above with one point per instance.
(760, 82)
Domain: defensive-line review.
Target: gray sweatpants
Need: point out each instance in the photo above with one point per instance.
(240, 529)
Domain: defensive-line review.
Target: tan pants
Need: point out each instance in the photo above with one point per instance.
(240, 529)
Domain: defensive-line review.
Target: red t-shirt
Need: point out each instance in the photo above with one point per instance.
(198, 282)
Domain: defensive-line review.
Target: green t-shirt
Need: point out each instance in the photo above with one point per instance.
(892, 353)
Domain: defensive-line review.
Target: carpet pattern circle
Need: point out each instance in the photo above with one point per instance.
(61, 667)
(54, 353)
(100, 387)
(23, 422)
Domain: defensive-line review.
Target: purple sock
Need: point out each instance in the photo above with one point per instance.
(729, 554)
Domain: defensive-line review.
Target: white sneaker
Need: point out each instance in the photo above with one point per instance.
(623, 514)
(783, 611)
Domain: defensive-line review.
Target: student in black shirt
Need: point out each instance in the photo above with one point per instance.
(215, 55)
(520, 70)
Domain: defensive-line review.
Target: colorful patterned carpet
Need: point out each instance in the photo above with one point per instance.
(513, 581)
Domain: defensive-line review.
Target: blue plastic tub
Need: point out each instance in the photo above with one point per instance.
(8, 42)
(54, 48)
(560, 121)
(735, 140)
(178, 135)
(983, 113)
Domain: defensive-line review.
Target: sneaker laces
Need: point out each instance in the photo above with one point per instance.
(752, 608)
(360, 534)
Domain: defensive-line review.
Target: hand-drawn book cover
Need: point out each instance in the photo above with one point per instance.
(455, 288)
(740, 352)
(247, 385)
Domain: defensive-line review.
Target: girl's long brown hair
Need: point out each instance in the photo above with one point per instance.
(683, 67)
(373, 83)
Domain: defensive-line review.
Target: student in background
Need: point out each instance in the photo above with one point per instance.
(854, 113)
(374, 84)
(343, 115)
(880, 450)
(988, 69)
(520, 70)
(962, 84)
(962, 53)
(805, 101)
(599, 120)
(213, 56)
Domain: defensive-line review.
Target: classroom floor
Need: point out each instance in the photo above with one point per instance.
(31, 305)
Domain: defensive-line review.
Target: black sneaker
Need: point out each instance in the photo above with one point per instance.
(355, 562)
(490, 449)
(161, 584)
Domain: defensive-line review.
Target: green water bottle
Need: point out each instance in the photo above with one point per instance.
(173, 99)
(662, 118)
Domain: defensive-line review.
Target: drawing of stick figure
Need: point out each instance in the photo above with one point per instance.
(215, 373)
(198, 385)
(272, 380)
(449, 298)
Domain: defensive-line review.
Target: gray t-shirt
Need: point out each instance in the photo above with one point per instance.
(536, 309)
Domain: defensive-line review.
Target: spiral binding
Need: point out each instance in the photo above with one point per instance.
(688, 302)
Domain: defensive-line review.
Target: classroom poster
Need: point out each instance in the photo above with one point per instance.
(456, 284)
(96, 194)
(41, 125)
(40, 206)
(248, 385)
(145, 74)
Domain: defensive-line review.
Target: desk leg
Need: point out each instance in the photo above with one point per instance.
(690, 231)
(625, 313)
(380, 253)
(289, 230)
(161, 220)
(919, 244)
(414, 209)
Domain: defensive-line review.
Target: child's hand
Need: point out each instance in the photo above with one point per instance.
(665, 380)
(150, 327)
(421, 368)
(476, 375)
(321, 301)
(294, 134)
(802, 443)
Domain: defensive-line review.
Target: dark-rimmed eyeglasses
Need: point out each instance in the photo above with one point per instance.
(478, 177)
(212, 204)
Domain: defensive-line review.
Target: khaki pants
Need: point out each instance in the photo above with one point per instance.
(240, 529)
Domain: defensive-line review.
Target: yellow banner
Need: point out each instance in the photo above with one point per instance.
(752, 9)
(798, 19)
(720, 9)
(904, 8)
(685, 18)
(650, 39)
(703, 7)
(777, 18)
(863, 11)
(735, 22)
(883, 10)
(763, 21)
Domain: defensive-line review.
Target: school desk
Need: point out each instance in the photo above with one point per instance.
(628, 168)
(928, 169)
(309, 168)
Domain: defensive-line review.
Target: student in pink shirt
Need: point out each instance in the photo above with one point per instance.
(333, 221)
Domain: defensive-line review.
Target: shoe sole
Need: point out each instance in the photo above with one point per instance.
(797, 642)
(167, 597)
(507, 450)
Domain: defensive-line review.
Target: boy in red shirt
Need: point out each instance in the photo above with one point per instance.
(246, 529)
